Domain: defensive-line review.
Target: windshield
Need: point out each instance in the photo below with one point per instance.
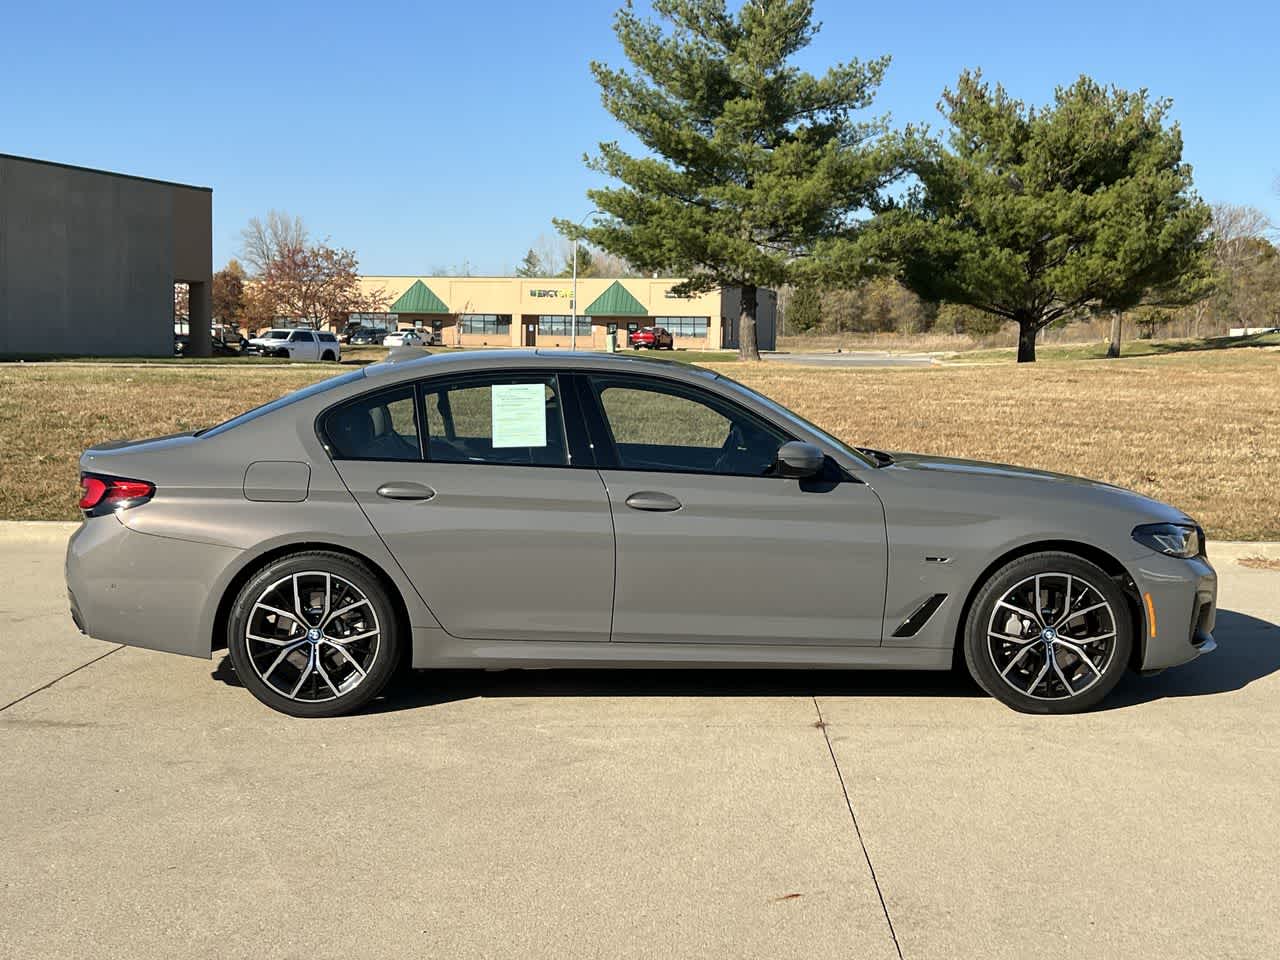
(277, 334)
(783, 413)
(286, 400)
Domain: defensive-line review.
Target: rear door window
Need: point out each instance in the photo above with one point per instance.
(512, 420)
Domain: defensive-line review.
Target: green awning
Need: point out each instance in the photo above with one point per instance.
(615, 302)
(418, 299)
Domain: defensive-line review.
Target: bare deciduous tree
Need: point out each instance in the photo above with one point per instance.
(264, 241)
(296, 279)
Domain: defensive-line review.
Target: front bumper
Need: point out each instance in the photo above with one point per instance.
(1179, 607)
(142, 590)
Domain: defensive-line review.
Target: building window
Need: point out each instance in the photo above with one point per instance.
(490, 323)
(683, 326)
(557, 326)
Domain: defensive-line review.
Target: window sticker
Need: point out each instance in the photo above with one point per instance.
(519, 415)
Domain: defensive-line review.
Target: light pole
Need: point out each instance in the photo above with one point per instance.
(573, 298)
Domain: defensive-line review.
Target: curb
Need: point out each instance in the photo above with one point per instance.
(36, 531)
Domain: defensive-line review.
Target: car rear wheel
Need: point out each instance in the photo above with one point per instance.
(328, 355)
(1049, 633)
(314, 634)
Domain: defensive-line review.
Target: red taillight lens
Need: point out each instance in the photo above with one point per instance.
(91, 491)
(101, 494)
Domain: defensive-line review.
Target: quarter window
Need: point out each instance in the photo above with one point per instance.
(515, 421)
(378, 426)
(673, 428)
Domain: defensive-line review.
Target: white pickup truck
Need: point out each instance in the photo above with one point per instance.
(295, 345)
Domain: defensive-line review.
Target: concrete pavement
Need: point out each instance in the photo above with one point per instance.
(151, 808)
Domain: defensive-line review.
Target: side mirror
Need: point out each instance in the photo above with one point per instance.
(799, 460)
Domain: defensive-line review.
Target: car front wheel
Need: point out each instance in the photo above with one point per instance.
(314, 634)
(1049, 633)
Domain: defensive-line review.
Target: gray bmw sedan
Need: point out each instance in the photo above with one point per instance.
(543, 509)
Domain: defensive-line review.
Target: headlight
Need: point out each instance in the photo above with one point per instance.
(1171, 539)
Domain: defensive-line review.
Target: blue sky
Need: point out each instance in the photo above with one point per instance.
(424, 135)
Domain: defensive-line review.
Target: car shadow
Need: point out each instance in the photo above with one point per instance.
(1248, 650)
(426, 688)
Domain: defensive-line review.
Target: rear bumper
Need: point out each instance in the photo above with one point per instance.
(1179, 607)
(142, 590)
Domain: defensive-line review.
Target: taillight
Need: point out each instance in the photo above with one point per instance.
(101, 495)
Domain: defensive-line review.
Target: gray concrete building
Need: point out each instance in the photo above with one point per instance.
(89, 259)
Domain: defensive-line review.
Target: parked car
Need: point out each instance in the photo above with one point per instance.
(675, 518)
(367, 335)
(405, 338)
(295, 345)
(652, 338)
(219, 345)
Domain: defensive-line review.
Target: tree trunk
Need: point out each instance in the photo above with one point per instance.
(1117, 327)
(1027, 340)
(747, 346)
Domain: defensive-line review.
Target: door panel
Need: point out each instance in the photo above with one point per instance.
(746, 559)
(497, 552)
(471, 490)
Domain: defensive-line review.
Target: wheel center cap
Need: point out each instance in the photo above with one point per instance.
(313, 635)
(1048, 635)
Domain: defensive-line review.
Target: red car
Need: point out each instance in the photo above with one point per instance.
(655, 338)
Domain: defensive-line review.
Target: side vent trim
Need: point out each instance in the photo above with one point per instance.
(911, 626)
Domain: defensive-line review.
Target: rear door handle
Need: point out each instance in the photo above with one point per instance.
(401, 490)
(653, 500)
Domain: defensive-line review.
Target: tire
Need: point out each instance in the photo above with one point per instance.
(327, 355)
(1017, 618)
(339, 670)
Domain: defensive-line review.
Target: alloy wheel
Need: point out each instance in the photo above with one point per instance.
(312, 636)
(1052, 636)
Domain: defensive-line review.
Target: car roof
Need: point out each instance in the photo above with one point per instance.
(416, 364)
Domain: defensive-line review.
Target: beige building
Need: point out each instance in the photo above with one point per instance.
(529, 312)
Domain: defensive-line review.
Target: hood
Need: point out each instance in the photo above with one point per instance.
(993, 476)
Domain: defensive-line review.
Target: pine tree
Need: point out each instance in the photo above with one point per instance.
(1035, 215)
(756, 171)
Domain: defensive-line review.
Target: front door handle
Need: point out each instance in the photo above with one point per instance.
(400, 490)
(652, 500)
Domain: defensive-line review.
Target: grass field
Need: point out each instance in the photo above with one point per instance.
(1197, 428)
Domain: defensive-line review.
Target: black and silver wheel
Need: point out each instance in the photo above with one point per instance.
(314, 635)
(1049, 633)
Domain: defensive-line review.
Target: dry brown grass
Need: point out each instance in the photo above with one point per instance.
(1199, 430)
(50, 412)
(1260, 563)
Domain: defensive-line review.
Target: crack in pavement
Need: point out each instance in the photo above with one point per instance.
(32, 693)
(822, 725)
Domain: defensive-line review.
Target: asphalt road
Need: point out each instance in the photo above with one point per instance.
(870, 358)
(151, 808)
